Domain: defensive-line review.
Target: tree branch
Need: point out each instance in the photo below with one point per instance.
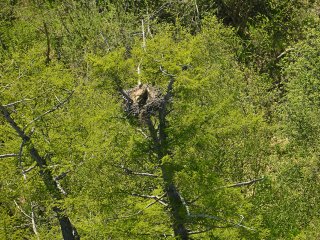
(33, 221)
(131, 172)
(59, 105)
(150, 197)
(284, 52)
(140, 211)
(9, 155)
(241, 184)
(16, 102)
(48, 43)
(21, 210)
(228, 222)
(62, 175)
(67, 229)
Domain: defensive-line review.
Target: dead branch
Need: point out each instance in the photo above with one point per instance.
(59, 105)
(140, 211)
(21, 210)
(284, 52)
(9, 155)
(229, 223)
(33, 221)
(131, 172)
(32, 217)
(150, 197)
(241, 184)
(143, 35)
(20, 159)
(16, 102)
(143, 133)
(29, 169)
(60, 188)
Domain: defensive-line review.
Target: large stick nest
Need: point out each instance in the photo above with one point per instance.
(144, 101)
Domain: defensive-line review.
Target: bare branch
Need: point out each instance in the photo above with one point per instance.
(21, 210)
(16, 102)
(151, 197)
(29, 169)
(33, 221)
(207, 230)
(140, 211)
(284, 52)
(229, 223)
(165, 72)
(59, 105)
(143, 35)
(241, 184)
(61, 188)
(32, 217)
(143, 133)
(9, 155)
(131, 172)
(20, 159)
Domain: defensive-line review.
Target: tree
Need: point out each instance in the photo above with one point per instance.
(186, 132)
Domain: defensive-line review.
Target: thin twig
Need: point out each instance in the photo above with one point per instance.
(241, 184)
(60, 104)
(140, 211)
(229, 223)
(131, 172)
(20, 158)
(16, 102)
(150, 197)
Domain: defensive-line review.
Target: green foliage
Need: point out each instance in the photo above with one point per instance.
(245, 105)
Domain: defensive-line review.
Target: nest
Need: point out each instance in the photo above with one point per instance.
(143, 101)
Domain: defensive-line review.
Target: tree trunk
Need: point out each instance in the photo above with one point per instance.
(176, 204)
(178, 209)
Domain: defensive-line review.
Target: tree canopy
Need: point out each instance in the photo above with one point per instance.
(159, 119)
